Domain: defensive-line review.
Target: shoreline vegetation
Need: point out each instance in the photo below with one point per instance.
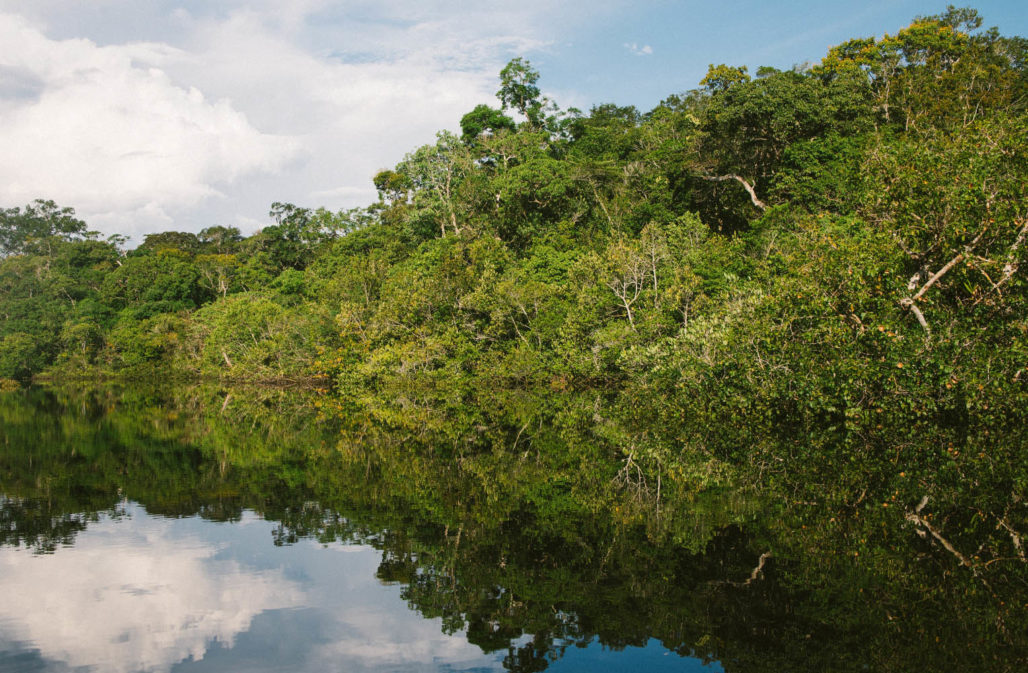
(101, 376)
(806, 281)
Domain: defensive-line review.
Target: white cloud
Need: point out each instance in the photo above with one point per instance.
(143, 593)
(371, 628)
(359, 95)
(133, 596)
(107, 130)
(639, 50)
(182, 114)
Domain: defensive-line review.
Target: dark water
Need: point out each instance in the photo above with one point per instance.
(216, 530)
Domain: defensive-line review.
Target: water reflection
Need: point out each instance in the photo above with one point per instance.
(264, 539)
(135, 593)
(143, 593)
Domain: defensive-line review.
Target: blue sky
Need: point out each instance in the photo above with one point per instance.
(685, 36)
(180, 114)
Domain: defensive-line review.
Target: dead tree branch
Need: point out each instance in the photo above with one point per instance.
(1010, 268)
(1015, 537)
(914, 517)
(742, 181)
(757, 571)
(910, 303)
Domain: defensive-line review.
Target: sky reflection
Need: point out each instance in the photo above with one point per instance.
(142, 593)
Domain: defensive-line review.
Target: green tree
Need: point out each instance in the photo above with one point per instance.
(484, 119)
(722, 77)
(183, 241)
(33, 228)
(220, 240)
(436, 174)
(164, 282)
(20, 356)
(518, 90)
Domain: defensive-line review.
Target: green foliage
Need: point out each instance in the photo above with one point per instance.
(937, 72)
(19, 356)
(171, 241)
(45, 288)
(437, 175)
(484, 119)
(749, 126)
(722, 77)
(220, 240)
(518, 89)
(136, 341)
(566, 336)
(249, 335)
(609, 132)
(527, 552)
(165, 282)
(823, 173)
(34, 228)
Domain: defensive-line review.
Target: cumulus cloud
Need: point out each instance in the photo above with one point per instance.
(370, 627)
(185, 113)
(143, 593)
(106, 128)
(363, 85)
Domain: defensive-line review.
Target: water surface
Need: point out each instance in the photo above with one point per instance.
(137, 592)
(216, 530)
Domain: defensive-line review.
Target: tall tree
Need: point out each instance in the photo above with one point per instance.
(518, 90)
(32, 228)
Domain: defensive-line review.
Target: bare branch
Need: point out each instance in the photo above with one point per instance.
(1011, 266)
(938, 274)
(1015, 537)
(753, 575)
(910, 303)
(914, 517)
(747, 186)
(760, 567)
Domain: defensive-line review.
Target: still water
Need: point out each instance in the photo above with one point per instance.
(223, 530)
(137, 592)
(139, 532)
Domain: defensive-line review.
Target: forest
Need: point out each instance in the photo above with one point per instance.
(810, 278)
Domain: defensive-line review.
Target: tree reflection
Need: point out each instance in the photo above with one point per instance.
(529, 555)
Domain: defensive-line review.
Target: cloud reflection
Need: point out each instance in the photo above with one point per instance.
(134, 595)
(142, 593)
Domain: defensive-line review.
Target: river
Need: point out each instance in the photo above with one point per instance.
(208, 529)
